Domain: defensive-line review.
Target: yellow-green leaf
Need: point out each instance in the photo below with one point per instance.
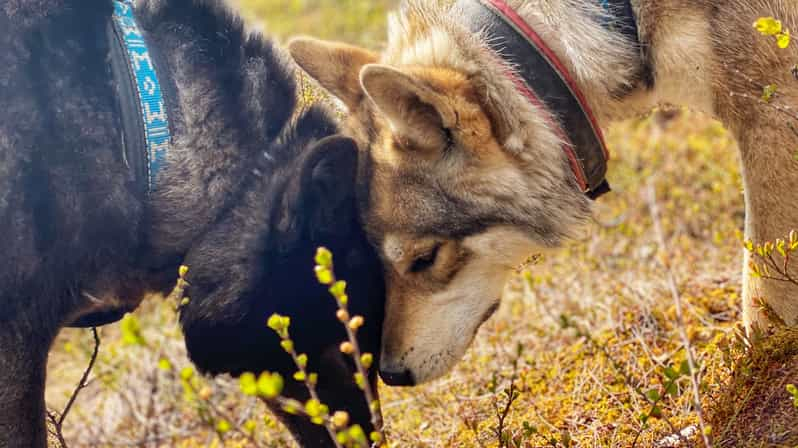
(248, 384)
(360, 380)
(324, 257)
(324, 275)
(186, 373)
(278, 323)
(270, 385)
(338, 289)
(131, 330)
(768, 92)
(223, 426)
(314, 408)
(367, 359)
(357, 434)
(783, 39)
(164, 365)
(768, 26)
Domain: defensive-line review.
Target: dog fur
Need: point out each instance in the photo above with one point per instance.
(251, 187)
(465, 176)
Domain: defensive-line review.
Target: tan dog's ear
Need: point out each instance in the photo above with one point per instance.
(415, 110)
(335, 66)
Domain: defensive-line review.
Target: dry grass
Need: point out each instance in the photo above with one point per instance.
(753, 412)
(596, 323)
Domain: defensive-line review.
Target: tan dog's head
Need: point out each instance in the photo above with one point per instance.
(457, 191)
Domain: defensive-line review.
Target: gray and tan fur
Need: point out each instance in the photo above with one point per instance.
(466, 177)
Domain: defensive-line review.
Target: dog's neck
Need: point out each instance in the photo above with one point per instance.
(140, 94)
(605, 62)
(619, 76)
(622, 77)
(670, 63)
(227, 106)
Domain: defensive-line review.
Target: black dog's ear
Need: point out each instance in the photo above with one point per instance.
(331, 170)
(320, 201)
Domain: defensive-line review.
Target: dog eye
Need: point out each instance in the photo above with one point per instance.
(425, 261)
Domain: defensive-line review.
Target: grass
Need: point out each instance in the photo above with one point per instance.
(585, 351)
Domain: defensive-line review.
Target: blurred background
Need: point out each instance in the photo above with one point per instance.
(359, 21)
(583, 336)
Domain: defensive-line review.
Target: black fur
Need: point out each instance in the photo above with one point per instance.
(247, 195)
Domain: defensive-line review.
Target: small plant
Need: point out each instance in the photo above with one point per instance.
(57, 419)
(771, 260)
(793, 391)
(503, 401)
(269, 386)
(326, 275)
(671, 376)
(769, 26)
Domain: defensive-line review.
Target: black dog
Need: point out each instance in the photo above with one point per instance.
(95, 212)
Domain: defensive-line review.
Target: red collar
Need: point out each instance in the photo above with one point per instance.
(543, 79)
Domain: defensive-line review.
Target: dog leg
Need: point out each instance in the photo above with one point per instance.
(23, 363)
(770, 175)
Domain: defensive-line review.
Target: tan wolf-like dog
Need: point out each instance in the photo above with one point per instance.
(467, 176)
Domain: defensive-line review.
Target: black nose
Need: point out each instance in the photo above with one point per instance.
(401, 378)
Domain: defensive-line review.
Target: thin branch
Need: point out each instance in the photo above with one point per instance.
(58, 422)
(782, 270)
(311, 387)
(512, 395)
(84, 379)
(325, 265)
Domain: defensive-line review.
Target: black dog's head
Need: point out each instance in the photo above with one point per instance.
(258, 260)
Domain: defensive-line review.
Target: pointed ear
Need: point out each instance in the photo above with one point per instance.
(415, 110)
(329, 185)
(330, 173)
(334, 65)
(320, 199)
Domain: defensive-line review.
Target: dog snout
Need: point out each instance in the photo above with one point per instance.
(397, 377)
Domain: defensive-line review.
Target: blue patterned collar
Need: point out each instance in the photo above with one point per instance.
(144, 117)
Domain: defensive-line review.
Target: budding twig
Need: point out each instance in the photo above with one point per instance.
(320, 415)
(326, 276)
